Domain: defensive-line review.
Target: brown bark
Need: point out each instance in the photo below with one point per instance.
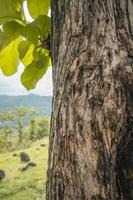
(90, 153)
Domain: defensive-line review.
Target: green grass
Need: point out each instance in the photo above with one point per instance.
(27, 185)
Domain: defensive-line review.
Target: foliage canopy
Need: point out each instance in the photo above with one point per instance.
(21, 40)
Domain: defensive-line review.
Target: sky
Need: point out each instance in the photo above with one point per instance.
(13, 86)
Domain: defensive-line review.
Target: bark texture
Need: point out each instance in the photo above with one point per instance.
(91, 140)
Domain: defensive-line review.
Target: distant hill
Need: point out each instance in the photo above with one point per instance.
(42, 103)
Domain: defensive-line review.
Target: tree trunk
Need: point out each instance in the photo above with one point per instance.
(91, 141)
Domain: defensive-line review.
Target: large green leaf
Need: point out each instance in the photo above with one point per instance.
(43, 23)
(31, 75)
(4, 39)
(39, 28)
(12, 28)
(41, 56)
(30, 32)
(38, 7)
(26, 52)
(10, 10)
(9, 57)
(35, 71)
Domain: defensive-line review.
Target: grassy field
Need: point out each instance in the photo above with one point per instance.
(26, 185)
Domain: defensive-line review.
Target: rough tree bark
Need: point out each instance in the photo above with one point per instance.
(91, 141)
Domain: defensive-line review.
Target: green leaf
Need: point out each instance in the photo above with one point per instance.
(31, 75)
(12, 28)
(43, 23)
(40, 27)
(10, 10)
(30, 32)
(9, 33)
(41, 56)
(26, 52)
(4, 39)
(9, 57)
(35, 71)
(38, 7)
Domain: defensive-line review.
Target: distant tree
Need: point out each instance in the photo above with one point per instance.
(6, 120)
(32, 130)
(3, 142)
(38, 128)
(20, 114)
(16, 119)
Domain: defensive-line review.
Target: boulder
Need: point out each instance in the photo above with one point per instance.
(43, 145)
(29, 165)
(24, 157)
(2, 174)
(14, 155)
(32, 164)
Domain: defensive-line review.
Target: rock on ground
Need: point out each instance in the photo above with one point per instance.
(24, 157)
(2, 174)
(30, 164)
